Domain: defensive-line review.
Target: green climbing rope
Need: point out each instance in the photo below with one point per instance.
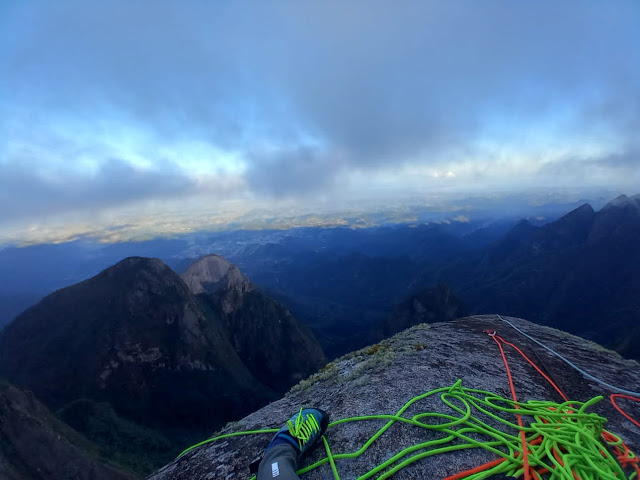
(563, 439)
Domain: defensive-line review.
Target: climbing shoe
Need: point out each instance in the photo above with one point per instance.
(302, 430)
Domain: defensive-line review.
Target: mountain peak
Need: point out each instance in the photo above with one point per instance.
(620, 218)
(138, 268)
(576, 218)
(584, 208)
(130, 264)
(571, 229)
(213, 272)
(132, 329)
(135, 339)
(624, 201)
(139, 262)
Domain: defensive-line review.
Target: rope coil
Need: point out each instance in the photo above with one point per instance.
(565, 429)
(561, 441)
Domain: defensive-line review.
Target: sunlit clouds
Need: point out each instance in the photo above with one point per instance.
(124, 119)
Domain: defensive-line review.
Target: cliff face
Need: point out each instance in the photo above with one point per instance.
(133, 347)
(212, 273)
(380, 379)
(133, 336)
(35, 445)
(277, 349)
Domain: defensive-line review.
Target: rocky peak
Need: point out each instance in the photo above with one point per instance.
(134, 337)
(277, 348)
(571, 229)
(132, 334)
(380, 379)
(620, 218)
(623, 201)
(579, 214)
(154, 264)
(141, 270)
(212, 273)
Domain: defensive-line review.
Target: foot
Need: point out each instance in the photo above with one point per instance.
(302, 430)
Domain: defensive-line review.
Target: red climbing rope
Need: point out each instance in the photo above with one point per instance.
(523, 439)
(626, 458)
(488, 465)
(624, 454)
(617, 407)
(481, 468)
(546, 377)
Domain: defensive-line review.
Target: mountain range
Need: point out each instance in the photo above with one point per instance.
(30, 272)
(138, 360)
(580, 273)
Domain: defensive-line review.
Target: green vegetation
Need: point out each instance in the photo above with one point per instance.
(329, 371)
(125, 444)
(353, 367)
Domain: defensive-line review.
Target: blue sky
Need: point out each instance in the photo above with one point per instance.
(162, 117)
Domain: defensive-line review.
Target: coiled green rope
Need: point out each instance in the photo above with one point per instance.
(562, 438)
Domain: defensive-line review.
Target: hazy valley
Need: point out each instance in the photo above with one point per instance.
(141, 361)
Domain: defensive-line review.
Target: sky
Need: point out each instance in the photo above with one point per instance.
(121, 119)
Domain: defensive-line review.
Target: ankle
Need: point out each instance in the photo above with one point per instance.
(283, 438)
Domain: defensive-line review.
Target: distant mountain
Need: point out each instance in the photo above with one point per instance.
(433, 304)
(35, 445)
(276, 348)
(344, 282)
(339, 296)
(619, 219)
(135, 337)
(580, 273)
(213, 273)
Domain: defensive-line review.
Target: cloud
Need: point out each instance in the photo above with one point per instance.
(300, 97)
(620, 168)
(293, 172)
(26, 193)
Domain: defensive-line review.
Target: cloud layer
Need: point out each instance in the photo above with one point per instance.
(112, 103)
